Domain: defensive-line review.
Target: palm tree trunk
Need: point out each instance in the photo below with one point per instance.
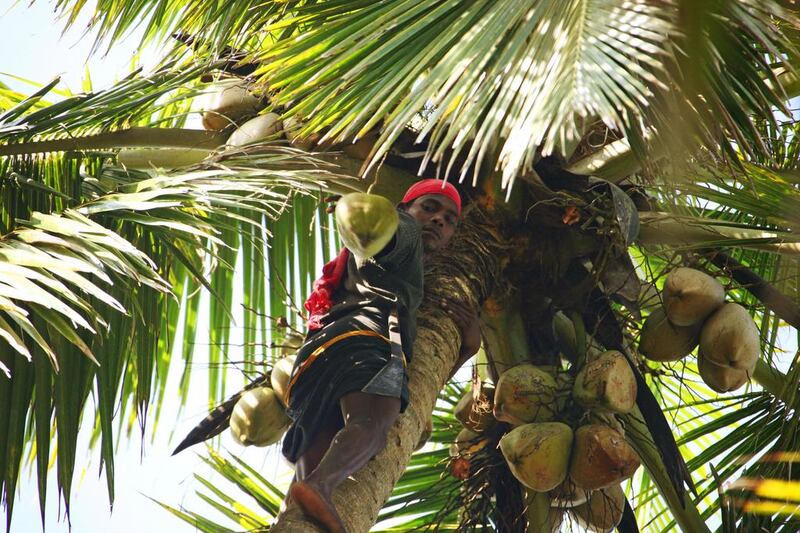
(469, 269)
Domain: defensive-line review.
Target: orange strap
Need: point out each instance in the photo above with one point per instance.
(320, 349)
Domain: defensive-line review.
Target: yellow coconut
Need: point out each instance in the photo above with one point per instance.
(473, 415)
(525, 393)
(538, 454)
(261, 128)
(721, 378)
(291, 343)
(603, 510)
(607, 383)
(280, 376)
(601, 457)
(567, 495)
(690, 296)
(467, 443)
(663, 341)
(258, 418)
(366, 223)
(730, 338)
(162, 158)
(227, 102)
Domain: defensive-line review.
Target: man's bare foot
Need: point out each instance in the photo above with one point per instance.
(315, 505)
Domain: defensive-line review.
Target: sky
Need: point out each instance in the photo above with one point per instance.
(32, 47)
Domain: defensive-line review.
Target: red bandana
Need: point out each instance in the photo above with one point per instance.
(319, 302)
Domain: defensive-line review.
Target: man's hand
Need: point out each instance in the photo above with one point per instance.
(466, 318)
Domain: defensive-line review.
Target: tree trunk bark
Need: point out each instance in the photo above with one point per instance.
(469, 269)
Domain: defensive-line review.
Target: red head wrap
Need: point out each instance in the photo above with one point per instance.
(432, 186)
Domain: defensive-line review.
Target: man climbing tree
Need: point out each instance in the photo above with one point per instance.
(349, 382)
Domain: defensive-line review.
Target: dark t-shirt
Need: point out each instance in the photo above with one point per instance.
(372, 287)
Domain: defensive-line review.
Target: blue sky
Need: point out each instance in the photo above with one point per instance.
(33, 48)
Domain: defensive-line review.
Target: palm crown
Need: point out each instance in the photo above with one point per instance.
(673, 101)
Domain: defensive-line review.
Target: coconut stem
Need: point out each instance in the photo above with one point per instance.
(774, 381)
(133, 137)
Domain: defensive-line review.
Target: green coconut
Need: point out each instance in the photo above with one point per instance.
(162, 158)
(538, 454)
(607, 383)
(690, 296)
(227, 102)
(258, 418)
(730, 338)
(366, 223)
(720, 378)
(602, 512)
(280, 376)
(567, 495)
(258, 129)
(601, 457)
(525, 393)
(473, 415)
(663, 341)
(541, 515)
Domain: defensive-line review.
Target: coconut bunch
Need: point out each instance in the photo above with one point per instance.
(695, 313)
(565, 441)
(228, 104)
(259, 417)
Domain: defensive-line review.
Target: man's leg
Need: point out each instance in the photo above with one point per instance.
(308, 462)
(367, 420)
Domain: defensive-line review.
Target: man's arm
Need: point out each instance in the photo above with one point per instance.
(466, 319)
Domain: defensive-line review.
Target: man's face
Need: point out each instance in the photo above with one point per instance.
(438, 217)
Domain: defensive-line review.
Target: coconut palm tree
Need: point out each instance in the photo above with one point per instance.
(602, 144)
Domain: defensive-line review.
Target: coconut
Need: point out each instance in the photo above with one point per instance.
(720, 378)
(291, 343)
(366, 222)
(567, 495)
(608, 419)
(603, 510)
(538, 454)
(730, 338)
(475, 416)
(280, 376)
(258, 418)
(607, 383)
(524, 394)
(601, 457)
(163, 158)
(541, 515)
(690, 296)
(467, 443)
(258, 129)
(227, 102)
(663, 341)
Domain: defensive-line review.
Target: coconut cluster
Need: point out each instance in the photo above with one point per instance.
(578, 462)
(259, 417)
(225, 104)
(695, 313)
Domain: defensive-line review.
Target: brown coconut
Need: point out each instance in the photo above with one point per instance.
(663, 341)
(730, 338)
(601, 457)
(567, 495)
(227, 102)
(524, 394)
(720, 378)
(258, 418)
(280, 376)
(607, 383)
(690, 296)
(473, 415)
(603, 510)
(538, 454)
